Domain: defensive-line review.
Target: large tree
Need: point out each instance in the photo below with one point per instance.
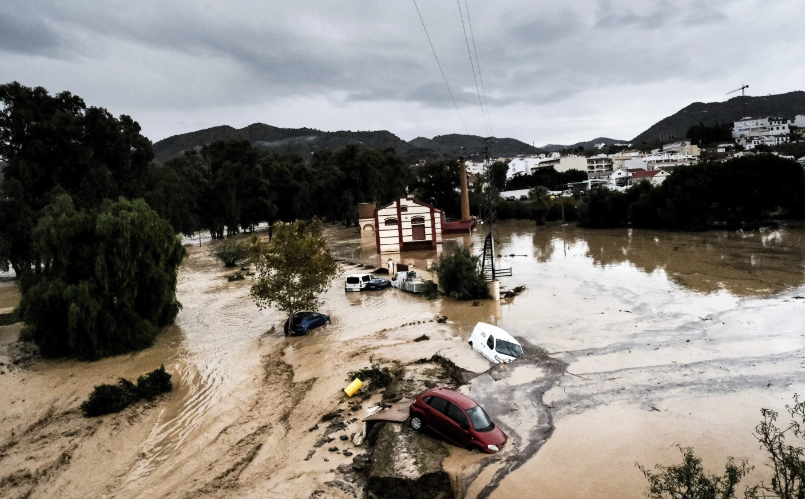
(108, 279)
(55, 144)
(294, 268)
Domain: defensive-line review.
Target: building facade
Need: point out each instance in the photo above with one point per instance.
(759, 127)
(406, 224)
(599, 164)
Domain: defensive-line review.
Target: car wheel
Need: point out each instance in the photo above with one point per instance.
(416, 423)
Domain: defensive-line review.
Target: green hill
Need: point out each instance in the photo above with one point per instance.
(308, 140)
(676, 126)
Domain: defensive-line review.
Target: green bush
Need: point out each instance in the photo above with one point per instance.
(460, 275)
(106, 399)
(152, 384)
(555, 209)
(231, 252)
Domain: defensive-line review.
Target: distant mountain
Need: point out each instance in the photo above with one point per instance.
(308, 140)
(457, 144)
(587, 145)
(786, 105)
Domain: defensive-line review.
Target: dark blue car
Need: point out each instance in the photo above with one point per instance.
(303, 322)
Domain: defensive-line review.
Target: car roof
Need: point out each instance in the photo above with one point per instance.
(496, 331)
(453, 396)
(357, 275)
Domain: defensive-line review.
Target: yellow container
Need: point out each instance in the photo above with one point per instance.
(353, 387)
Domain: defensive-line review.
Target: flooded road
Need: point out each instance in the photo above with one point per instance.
(636, 340)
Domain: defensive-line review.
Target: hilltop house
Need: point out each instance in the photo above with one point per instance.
(404, 224)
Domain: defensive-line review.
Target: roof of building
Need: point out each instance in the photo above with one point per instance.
(645, 173)
(421, 203)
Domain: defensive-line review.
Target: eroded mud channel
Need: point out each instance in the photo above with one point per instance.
(635, 342)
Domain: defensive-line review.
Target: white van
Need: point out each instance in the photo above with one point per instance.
(357, 282)
(495, 344)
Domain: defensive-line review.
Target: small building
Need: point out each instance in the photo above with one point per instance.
(641, 175)
(682, 148)
(406, 224)
(571, 162)
(598, 164)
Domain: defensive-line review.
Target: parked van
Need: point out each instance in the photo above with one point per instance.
(365, 282)
(495, 344)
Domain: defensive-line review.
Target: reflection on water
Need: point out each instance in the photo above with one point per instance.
(760, 263)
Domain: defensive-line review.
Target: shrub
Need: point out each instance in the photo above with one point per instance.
(555, 209)
(106, 399)
(231, 252)
(152, 384)
(689, 479)
(378, 376)
(460, 275)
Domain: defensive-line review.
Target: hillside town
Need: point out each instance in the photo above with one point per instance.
(629, 166)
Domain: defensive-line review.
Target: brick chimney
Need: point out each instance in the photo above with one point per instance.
(465, 193)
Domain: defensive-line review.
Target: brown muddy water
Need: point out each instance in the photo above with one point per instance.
(637, 341)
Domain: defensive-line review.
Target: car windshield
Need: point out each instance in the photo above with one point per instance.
(480, 421)
(508, 348)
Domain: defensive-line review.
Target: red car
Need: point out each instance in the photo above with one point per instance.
(457, 418)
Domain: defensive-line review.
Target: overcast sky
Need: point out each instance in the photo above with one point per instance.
(553, 71)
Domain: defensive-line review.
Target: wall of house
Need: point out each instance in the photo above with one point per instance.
(404, 211)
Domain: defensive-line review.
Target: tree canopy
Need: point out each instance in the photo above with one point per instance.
(294, 268)
(108, 282)
(55, 144)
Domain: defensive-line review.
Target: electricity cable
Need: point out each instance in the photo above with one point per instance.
(472, 65)
(440, 67)
(478, 63)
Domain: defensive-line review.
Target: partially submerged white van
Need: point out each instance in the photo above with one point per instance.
(357, 282)
(495, 344)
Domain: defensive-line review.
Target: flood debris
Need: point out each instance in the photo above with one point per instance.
(424, 337)
(511, 293)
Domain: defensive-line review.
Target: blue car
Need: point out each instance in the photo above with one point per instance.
(303, 322)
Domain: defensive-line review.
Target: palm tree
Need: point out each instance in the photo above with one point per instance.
(540, 200)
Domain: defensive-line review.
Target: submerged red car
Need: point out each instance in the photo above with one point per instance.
(457, 418)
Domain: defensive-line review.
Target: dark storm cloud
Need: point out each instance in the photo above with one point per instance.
(20, 32)
(189, 58)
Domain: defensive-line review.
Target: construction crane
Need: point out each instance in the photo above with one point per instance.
(743, 97)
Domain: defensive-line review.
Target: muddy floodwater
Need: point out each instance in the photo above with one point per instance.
(636, 342)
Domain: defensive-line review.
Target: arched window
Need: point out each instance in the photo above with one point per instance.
(417, 220)
(391, 222)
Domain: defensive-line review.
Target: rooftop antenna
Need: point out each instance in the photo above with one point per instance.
(743, 97)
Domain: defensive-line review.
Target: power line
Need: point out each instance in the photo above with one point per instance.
(477, 90)
(440, 67)
(478, 63)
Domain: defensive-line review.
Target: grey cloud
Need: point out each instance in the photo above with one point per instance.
(180, 56)
(611, 16)
(18, 33)
(542, 29)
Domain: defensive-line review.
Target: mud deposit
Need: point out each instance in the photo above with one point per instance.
(636, 341)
